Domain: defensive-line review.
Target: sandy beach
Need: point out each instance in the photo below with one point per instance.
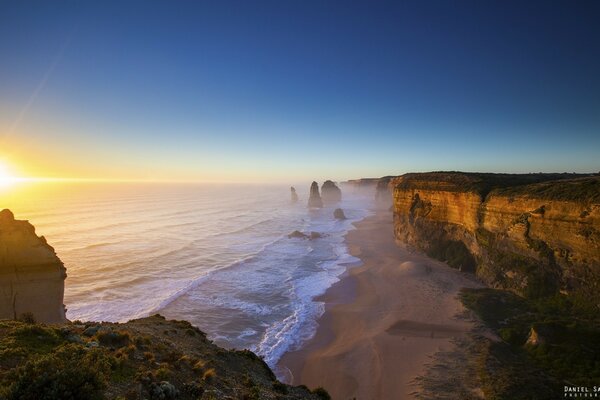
(383, 321)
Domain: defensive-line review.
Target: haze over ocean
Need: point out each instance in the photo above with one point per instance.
(215, 255)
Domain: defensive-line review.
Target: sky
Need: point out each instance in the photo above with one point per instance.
(277, 91)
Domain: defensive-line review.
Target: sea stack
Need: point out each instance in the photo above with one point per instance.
(314, 200)
(32, 277)
(331, 193)
(294, 194)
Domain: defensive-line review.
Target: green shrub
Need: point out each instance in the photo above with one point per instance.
(27, 317)
(322, 393)
(113, 339)
(70, 373)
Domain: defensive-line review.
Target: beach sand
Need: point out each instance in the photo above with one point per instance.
(383, 321)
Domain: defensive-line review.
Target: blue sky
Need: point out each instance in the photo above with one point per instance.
(289, 90)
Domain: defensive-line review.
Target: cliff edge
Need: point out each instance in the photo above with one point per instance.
(32, 277)
(534, 234)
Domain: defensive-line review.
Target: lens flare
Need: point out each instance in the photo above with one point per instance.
(6, 178)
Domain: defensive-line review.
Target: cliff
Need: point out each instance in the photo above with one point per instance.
(535, 234)
(330, 193)
(32, 277)
(149, 358)
(294, 195)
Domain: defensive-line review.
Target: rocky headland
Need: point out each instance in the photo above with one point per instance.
(294, 195)
(32, 277)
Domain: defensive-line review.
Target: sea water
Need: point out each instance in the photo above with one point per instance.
(218, 256)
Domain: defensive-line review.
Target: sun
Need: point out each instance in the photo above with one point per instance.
(6, 178)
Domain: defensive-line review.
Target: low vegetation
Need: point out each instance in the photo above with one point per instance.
(546, 343)
(484, 183)
(150, 358)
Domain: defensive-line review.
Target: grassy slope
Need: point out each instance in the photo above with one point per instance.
(147, 358)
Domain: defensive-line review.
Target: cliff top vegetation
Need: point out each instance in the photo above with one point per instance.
(585, 185)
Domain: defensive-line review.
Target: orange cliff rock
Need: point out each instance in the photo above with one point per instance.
(535, 234)
(32, 277)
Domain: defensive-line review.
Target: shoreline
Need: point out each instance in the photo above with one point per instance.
(383, 320)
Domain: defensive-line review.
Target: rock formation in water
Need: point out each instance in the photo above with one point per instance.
(298, 235)
(330, 192)
(294, 194)
(32, 277)
(314, 200)
(535, 234)
(339, 214)
(301, 235)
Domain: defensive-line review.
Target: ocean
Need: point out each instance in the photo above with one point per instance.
(218, 256)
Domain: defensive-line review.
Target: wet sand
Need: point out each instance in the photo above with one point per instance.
(383, 321)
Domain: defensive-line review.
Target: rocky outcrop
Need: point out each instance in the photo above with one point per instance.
(339, 214)
(32, 277)
(294, 194)
(301, 235)
(314, 200)
(330, 192)
(535, 234)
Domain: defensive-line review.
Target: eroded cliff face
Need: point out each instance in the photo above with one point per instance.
(514, 231)
(32, 277)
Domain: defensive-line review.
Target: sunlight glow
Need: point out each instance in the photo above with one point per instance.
(6, 178)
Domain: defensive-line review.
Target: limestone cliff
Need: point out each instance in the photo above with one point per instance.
(330, 193)
(32, 277)
(294, 194)
(314, 199)
(535, 234)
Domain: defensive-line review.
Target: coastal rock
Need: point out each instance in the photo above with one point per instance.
(534, 338)
(294, 194)
(297, 235)
(301, 235)
(339, 214)
(314, 200)
(315, 235)
(32, 277)
(330, 192)
(534, 234)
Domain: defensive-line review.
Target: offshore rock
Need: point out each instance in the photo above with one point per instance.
(297, 235)
(301, 235)
(330, 192)
(339, 214)
(314, 200)
(294, 194)
(32, 277)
